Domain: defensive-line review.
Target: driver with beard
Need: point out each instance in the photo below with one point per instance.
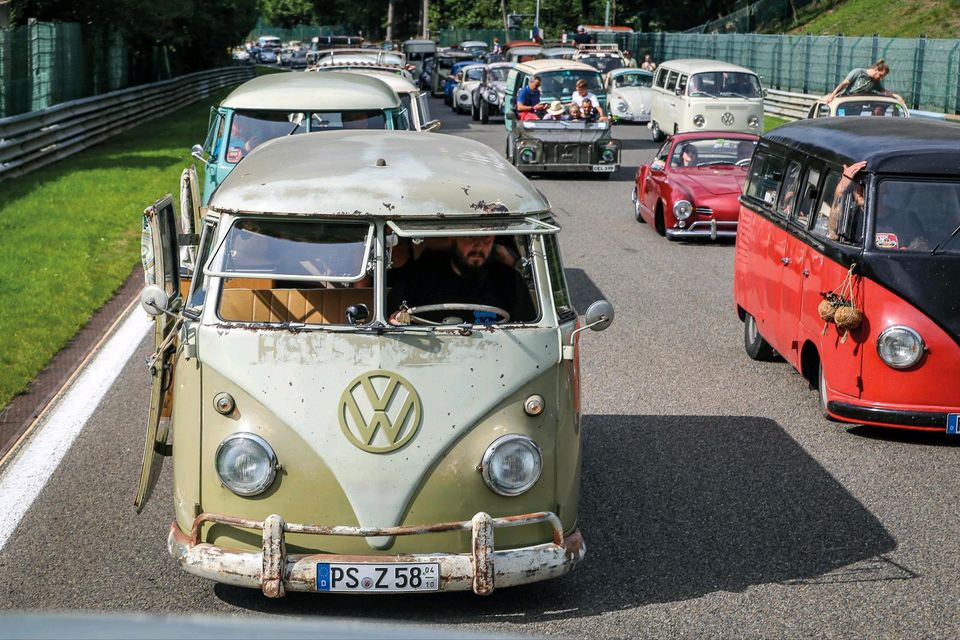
(473, 285)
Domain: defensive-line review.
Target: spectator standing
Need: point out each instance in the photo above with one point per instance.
(628, 59)
(648, 64)
(581, 36)
(497, 48)
(860, 81)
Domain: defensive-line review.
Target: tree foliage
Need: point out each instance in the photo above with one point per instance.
(198, 33)
(287, 13)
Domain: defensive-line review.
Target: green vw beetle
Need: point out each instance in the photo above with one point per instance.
(345, 418)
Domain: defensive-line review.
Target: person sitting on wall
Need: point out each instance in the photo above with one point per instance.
(529, 106)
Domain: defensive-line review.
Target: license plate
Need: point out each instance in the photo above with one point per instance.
(603, 168)
(372, 578)
(953, 423)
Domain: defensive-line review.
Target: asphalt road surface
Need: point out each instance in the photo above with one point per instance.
(716, 499)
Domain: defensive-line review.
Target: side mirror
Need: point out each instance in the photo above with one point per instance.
(433, 125)
(656, 165)
(679, 91)
(154, 300)
(763, 93)
(197, 152)
(599, 315)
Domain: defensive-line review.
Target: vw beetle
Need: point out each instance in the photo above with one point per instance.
(629, 93)
(322, 444)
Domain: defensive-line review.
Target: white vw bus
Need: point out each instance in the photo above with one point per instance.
(705, 95)
(330, 435)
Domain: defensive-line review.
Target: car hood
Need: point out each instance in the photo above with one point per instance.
(711, 181)
(633, 95)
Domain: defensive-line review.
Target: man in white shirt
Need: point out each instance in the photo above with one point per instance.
(582, 94)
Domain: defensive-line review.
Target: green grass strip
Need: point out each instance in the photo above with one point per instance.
(70, 235)
(772, 122)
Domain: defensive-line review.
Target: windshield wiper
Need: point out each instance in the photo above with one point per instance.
(703, 93)
(739, 95)
(945, 241)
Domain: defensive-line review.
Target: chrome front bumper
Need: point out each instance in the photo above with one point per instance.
(275, 572)
(712, 229)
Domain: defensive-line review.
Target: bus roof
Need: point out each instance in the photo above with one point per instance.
(376, 173)
(889, 145)
(329, 91)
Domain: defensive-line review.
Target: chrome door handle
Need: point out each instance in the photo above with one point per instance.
(785, 261)
(806, 273)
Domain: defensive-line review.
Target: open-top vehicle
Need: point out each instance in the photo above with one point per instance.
(859, 105)
(548, 146)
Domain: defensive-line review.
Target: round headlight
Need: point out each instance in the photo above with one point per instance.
(608, 155)
(900, 347)
(753, 121)
(527, 155)
(246, 464)
(622, 107)
(699, 121)
(511, 465)
(682, 209)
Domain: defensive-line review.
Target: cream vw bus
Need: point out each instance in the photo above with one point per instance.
(332, 435)
(705, 95)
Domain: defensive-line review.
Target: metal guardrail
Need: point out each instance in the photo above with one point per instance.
(31, 140)
(784, 104)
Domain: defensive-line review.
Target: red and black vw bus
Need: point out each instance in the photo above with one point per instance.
(886, 242)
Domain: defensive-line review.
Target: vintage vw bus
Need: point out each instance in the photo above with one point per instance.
(326, 438)
(692, 95)
(283, 104)
(550, 146)
(818, 237)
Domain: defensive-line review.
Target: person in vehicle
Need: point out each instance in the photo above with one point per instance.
(589, 113)
(467, 273)
(528, 100)
(860, 81)
(583, 94)
(688, 156)
(555, 111)
(582, 37)
(573, 112)
(849, 189)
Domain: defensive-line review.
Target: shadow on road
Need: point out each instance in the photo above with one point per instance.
(673, 507)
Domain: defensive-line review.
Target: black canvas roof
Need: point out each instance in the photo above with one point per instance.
(889, 145)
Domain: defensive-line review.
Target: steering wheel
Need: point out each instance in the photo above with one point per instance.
(742, 163)
(502, 315)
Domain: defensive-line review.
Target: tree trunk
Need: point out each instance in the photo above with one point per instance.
(426, 19)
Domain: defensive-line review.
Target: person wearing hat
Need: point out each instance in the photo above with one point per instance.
(555, 111)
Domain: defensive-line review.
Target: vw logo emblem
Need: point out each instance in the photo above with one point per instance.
(727, 118)
(379, 411)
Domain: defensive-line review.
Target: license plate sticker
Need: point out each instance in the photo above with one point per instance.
(378, 578)
(953, 424)
(603, 168)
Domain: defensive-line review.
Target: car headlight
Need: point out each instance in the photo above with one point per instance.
(493, 97)
(753, 122)
(608, 154)
(511, 465)
(900, 347)
(682, 209)
(621, 107)
(699, 121)
(528, 154)
(246, 464)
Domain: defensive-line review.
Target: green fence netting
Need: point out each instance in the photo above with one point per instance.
(45, 63)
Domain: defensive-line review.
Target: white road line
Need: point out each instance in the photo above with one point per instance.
(29, 471)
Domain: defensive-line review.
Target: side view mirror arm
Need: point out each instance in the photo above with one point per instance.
(197, 152)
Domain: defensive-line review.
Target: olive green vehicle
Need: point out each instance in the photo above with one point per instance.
(325, 442)
(558, 146)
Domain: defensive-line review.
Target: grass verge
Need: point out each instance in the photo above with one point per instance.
(772, 122)
(904, 19)
(71, 235)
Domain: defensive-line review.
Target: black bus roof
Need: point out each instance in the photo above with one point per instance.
(889, 145)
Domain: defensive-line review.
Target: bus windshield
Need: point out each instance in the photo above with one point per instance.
(727, 84)
(556, 85)
(918, 217)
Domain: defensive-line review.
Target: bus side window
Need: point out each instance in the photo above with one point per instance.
(807, 197)
(672, 81)
(661, 79)
(788, 194)
(766, 172)
(824, 224)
